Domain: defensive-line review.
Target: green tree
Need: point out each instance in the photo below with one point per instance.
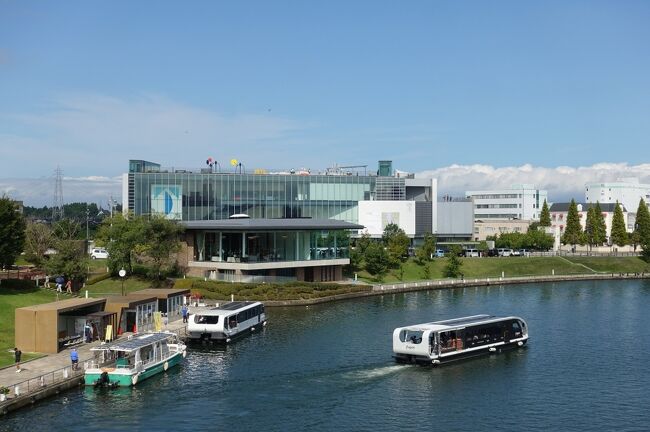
(70, 260)
(539, 240)
(162, 241)
(545, 216)
(426, 270)
(590, 227)
(38, 239)
(573, 230)
(600, 235)
(12, 232)
(426, 250)
(514, 240)
(376, 260)
(363, 242)
(454, 264)
(619, 234)
(643, 229)
(397, 244)
(124, 239)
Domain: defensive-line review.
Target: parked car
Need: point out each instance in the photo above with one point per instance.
(439, 253)
(471, 253)
(99, 253)
(515, 252)
(503, 252)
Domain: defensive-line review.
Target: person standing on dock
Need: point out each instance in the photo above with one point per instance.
(74, 358)
(17, 354)
(184, 313)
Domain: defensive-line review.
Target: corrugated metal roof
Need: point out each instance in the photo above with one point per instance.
(243, 224)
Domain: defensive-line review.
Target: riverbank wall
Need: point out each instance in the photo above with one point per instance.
(382, 289)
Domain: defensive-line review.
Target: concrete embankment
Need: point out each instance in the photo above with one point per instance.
(382, 289)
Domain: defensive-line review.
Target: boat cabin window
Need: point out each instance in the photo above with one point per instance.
(206, 319)
(412, 336)
(516, 329)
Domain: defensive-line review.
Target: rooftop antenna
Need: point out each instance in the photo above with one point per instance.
(57, 204)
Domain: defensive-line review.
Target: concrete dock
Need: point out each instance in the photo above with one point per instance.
(49, 375)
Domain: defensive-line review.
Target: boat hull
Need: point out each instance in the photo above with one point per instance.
(461, 355)
(126, 377)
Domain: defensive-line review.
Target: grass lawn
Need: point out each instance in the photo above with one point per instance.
(613, 264)
(514, 266)
(113, 286)
(10, 299)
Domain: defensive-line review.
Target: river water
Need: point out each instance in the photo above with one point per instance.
(329, 367)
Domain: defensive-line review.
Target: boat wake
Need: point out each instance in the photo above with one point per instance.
(373, 373)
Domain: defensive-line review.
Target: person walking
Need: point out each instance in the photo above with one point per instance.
(184, 313)
(74, 358)
(59, 284)
(17, 354)
(68, 286)
(47, 281)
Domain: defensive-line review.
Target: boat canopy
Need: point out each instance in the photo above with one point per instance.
(135, 343)
(457, 323)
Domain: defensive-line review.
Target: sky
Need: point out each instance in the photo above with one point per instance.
(479, 94)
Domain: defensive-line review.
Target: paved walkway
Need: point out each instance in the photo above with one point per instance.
(53, 364)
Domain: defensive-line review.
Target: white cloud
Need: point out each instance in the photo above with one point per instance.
(562, 183)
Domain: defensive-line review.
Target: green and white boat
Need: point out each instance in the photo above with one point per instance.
(129, 361)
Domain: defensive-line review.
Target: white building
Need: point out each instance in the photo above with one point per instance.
(627, 191)
(519, 202)
(415, 212)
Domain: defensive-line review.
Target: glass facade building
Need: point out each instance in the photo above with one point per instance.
(195, 195)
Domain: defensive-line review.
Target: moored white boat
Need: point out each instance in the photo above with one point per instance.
(442, 341)
(225, 322)
(128, 361)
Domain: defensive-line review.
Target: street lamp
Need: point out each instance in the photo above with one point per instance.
(122, 273)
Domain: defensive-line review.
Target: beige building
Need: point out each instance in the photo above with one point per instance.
(51, 327)
(486, 228)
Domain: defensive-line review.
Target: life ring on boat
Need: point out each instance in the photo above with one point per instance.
(165, 366)
(134, 379)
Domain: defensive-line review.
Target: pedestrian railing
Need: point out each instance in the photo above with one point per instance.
(39, 383)
(450, 283)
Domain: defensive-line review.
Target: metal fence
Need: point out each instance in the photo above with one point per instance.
(39, 383)
(450, 283)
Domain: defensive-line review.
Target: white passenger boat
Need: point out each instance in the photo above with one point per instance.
(441, 341)
(225, 322)
(125, 362)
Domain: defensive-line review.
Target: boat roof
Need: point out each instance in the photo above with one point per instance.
(458, 323)
(226, 308)
(135, 343)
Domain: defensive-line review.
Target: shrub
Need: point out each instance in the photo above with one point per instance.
(99, 278)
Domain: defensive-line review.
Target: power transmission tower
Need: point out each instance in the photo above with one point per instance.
(57, 205)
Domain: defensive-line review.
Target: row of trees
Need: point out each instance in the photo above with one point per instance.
(595, 231)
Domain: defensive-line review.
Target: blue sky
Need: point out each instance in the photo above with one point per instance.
(89, 85)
